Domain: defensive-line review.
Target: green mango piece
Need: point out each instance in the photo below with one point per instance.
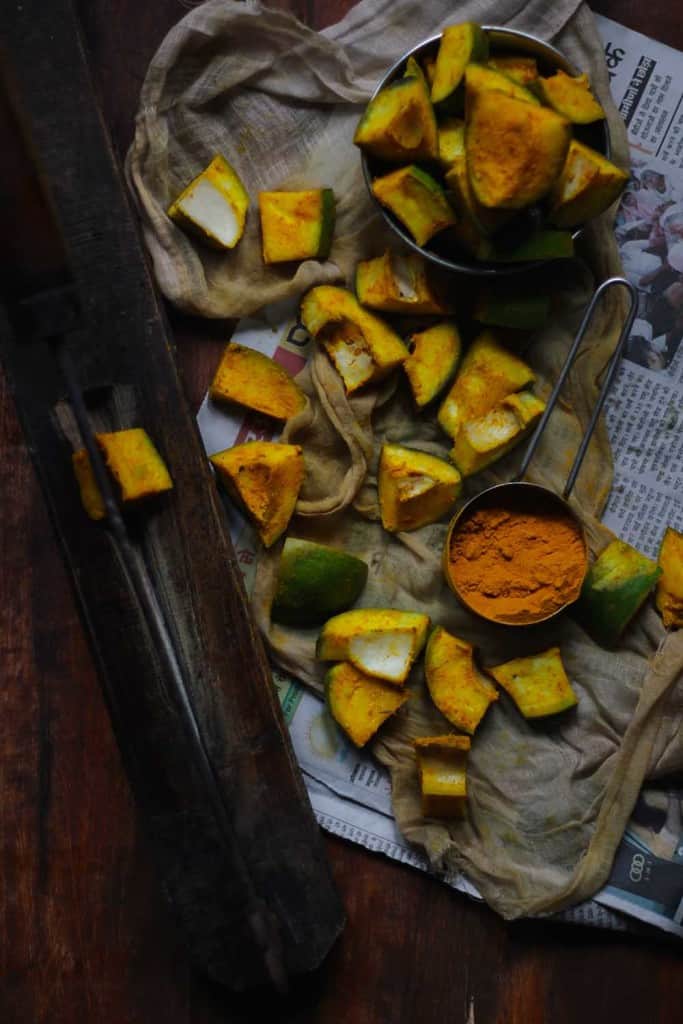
(544, 244)
(315, 582)
(615, 587)
(511, 308)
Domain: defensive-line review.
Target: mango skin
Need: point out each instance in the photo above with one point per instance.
(315, 582)
(615, 588)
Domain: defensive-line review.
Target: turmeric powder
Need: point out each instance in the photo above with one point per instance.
(517, 565)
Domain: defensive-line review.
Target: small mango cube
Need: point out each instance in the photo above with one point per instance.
(296, 225)
(571, 96)
(459, 690)
(442, 764)
(538, 684)
(397, 282)
(360, 703)
(417, 200)
(433, 360)
(134, 464)
(484, 440)
(264, 478)
(213, 206)
(415, 488)
(382, 642)
(670, 586)
(616, 586)
(256, 381)
(488, 372)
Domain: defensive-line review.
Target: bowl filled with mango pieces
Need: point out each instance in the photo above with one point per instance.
(487, 151)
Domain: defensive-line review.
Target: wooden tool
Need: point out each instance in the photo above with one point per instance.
(183, 670)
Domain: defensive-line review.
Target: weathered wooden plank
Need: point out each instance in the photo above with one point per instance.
(183, 544)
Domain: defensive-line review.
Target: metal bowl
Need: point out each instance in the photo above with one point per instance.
(549, 60)
(517, 494)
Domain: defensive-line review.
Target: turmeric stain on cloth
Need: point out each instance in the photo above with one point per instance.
(517, 565)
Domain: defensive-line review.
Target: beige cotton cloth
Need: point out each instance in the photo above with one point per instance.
(548, 801)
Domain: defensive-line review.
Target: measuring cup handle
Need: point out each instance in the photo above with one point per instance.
(571, 355)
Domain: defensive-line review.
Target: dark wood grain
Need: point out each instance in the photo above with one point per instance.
(238, 851)
(83, 932)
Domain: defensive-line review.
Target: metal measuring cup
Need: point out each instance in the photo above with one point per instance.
(520, 493)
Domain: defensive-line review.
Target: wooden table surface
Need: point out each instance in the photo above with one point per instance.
(84, 934)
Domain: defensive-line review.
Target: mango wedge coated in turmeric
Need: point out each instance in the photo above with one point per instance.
(474, 221)
(362, 347)
(460, 44)
(458, 689)
(616, 586)
(399, 124)
(434, 357)
(586, 187)
(442, 768)
(417, 200)
(482, 441)
(451, 140)
(133, 463)
(296, 225)
(414, 488)
(382, 642)
(488, 372)
(398, 282)
(538, 684)
(256, 381)
(213, 206)
(479, 77)
(670, 585)
(571, 96)
(359, 703)
(523, 70)
(264, 479)
(515, 150)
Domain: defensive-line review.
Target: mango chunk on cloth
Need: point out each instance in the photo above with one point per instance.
(213, 206)
(133, 463)
(433, 360)
(538, 684)
(442, 768)
(459, 690)
(571, 96)
(515, 150)
(398, 282)
(359, 703)
(670, 585)
(460, 44)
(399, 124)
(587, 185)
(256, 381)
(414, 488)
(417, 200)
(315, 582)
(296, 225)
(616, 586)
(488, 372)
(484, 440)
(264, 479)
(382, 642)
(362, 347)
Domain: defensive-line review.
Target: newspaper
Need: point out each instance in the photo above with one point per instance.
(349, 791)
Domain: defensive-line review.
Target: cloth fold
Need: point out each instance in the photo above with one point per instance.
(548, 801)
